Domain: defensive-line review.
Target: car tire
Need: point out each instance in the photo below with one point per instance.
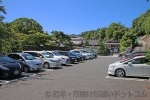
(46, 65)
(120, 73)
(26, 69)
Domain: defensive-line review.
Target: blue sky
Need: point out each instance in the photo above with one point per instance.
(75, 16)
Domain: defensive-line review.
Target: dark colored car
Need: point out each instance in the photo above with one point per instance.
(78, 52)
(79, 58)
(9, 67)
(72, 58)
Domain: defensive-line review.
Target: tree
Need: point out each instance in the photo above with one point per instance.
(147, 56)
(60, 38)
(26, 26)
(37, 39)
(2, 9)
(91, 49)
(86, 42)
(141, 23)
(5, 36)
(101, 47)
(128, 40)
(101, 33)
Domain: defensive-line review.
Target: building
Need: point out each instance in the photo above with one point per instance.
(77, 40)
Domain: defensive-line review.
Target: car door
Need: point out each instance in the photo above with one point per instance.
(136, 67)
(39, 57)
(146, 68)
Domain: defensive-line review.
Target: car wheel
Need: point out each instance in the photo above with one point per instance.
(46, 65)
(120, 73)
(26, 69)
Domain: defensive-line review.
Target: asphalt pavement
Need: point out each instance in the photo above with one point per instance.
(87, 80)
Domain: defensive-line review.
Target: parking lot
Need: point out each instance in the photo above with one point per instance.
(85, 80)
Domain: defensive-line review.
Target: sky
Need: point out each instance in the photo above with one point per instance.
(75, 16)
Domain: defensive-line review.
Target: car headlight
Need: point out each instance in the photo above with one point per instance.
(3, 68)
(30, 63)
(112, 66)
(52, 60)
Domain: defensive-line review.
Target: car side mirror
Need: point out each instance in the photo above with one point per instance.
(129, 63)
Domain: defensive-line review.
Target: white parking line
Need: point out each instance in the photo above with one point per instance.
(4, 82)
(125, 78)
(49, 69)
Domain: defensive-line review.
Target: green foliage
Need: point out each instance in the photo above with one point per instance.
(147, 56)
(5, 36)
(60, 38)
(127, 40)
(86, 42)
(26, 26)
(122, 48)
(141, 24)
(2, 9)
(37, 39)
(91, 49)
(101, 47)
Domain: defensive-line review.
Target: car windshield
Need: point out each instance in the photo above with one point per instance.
(56, 54)
(76, 51)
(47, 55)
(28, 57)
(68, 54)
(5, 59)
(73, 53)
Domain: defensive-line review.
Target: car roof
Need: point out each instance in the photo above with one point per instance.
(18, 53)
(50, 51)
(138, 57)
(36, 51)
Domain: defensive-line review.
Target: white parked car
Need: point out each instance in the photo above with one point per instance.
(136, 66)
(47, 59)
(64, 59)
(87, 55)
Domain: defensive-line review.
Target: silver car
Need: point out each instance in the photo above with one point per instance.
(27, 61)
(46, 58)
(134, 67)
(64, 59)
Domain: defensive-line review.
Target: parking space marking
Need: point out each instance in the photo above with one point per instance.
(125, 78)
(4, 82)
(49, 69)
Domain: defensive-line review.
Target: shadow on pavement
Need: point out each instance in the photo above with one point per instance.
(57, 68)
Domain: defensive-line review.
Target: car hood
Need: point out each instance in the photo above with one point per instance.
(116, 63)
(11, 65)
(35, 61)
(72, 56)
(61, 57)
(53, 59)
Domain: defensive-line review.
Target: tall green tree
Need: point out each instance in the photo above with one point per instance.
(60, 38)
(2, 9)
(26, 26)
(5, 36)
(101, 47)
(37, 39)
(127, 40)
(141, 23)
